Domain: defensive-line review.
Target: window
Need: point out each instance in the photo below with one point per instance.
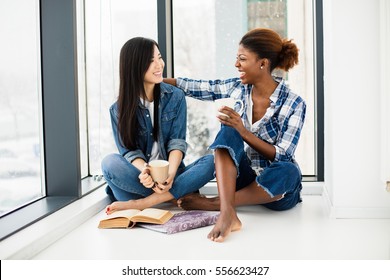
(20, 110)
(40, 61)
(108, 25)
(206, 34)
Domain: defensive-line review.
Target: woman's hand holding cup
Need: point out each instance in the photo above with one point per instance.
(164, 187)
(228, 116)
(226, 103)
(155, 176)
(145, 178)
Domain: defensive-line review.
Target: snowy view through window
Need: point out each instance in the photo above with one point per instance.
(20, 120)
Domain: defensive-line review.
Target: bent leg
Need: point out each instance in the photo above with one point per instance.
(124, 186)
(122, 178)
(233, 172)
(277, 187)
(282, 179)
(140, 203)
(226, 174)
(193, 177)
(229, 152)
(249, 195)
(229, 141)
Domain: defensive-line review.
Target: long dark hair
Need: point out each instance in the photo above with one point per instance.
(135, 58)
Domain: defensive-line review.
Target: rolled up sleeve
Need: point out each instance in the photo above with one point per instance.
(177, 144)
(132, 155)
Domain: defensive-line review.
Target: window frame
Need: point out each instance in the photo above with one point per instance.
(319, 89)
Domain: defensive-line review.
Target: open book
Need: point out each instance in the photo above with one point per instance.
(128, 218)
(186, 220)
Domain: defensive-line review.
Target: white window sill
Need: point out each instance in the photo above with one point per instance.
(28, 242)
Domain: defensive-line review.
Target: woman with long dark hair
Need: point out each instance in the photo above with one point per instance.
(149, 122)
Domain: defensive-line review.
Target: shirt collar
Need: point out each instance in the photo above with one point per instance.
(164, 89)
(275, 95)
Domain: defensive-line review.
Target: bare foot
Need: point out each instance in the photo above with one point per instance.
(195, 201)
(226, 223)
(123, 205)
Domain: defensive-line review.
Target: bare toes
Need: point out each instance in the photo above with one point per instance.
(219, 239)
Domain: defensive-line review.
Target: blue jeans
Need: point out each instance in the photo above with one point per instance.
(277, 179)
(123, 182)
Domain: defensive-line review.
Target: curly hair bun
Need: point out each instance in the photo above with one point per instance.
(288, 56)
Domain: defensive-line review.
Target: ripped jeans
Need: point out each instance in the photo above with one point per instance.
(280, 178)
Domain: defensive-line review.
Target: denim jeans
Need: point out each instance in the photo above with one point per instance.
(280, 178)
(123, 182)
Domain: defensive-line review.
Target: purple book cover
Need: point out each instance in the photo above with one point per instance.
(185, 221)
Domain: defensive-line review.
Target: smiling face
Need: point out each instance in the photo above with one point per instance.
(154, 74)
(248, 64)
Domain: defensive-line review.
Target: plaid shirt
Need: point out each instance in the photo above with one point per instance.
(281, 125)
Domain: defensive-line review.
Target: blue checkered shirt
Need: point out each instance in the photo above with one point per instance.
(281, 125)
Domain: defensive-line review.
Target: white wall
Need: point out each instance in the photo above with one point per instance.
(352, 109)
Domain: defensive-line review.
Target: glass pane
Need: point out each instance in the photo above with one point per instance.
(206, 37)
(20, 113)
(108, 25)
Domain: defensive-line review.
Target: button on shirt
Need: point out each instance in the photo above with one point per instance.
(281, 125)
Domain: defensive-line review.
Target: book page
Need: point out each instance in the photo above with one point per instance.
(123, 213)
(153, 213)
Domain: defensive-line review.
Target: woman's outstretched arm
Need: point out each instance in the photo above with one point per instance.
(171, 81)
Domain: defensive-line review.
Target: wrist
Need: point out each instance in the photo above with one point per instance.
(244, 133)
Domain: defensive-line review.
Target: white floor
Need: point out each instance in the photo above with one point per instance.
(303, 233)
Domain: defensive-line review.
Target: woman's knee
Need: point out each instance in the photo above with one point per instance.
(288, 170)
(109, 162)
(114, 164)
(228, 138)
(280, 177)
(203, 166)
(229, 133)
(208, 160)
(209, 165)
